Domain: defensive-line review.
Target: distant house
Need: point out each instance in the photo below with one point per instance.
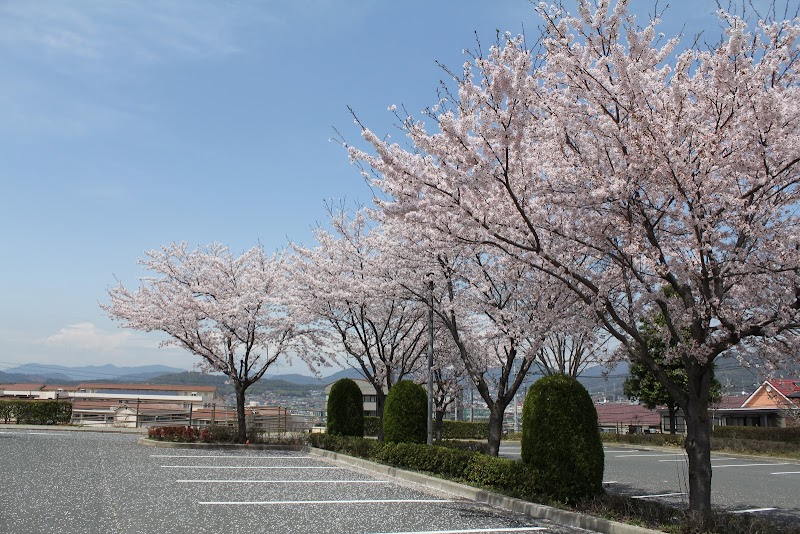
(775, 403)
(205, 395)
(21, 391)
(131, 405)
(626, 418)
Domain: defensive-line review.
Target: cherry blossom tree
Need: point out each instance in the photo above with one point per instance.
(448, 375)
(227, 310)
(496, 312)
(622, 167)
(343, 285)
(570, 352)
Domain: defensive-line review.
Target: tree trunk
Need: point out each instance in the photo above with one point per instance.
(672, 417)
(495, 428)
(241, 432)
(698, 450)
(380, 400)
(438, 424)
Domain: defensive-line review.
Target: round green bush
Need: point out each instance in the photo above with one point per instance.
(561, 439)
(405, 414)
(346, 409)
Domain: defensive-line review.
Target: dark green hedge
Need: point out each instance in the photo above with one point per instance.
(675, 440)
(497, 474)
(465, 430)
(346, 409)
(36, 412)
(776, 434)
(560, 439)
(405, 414)
(450, 429)
(753, 441)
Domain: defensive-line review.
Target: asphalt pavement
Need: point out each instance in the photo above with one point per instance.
(740, 484)
(59, 481)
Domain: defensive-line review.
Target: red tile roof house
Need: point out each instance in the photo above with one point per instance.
(626, 418)
(775, 403)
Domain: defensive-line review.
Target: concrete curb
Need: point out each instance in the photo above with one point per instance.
(537, 511)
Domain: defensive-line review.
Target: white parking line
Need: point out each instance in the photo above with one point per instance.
(611, 482)
(248, 467)
(231, 457)
(54, 433)
(686, 459)
(469, 531)
(226, 481)
(356, 501)
(750, 465)
(646, 455)
(786, 473)
(659, 495)
(751, 510)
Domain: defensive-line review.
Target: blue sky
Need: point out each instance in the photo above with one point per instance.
(129, 124)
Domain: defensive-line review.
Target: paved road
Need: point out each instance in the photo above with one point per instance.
(740, 484)
(53, 481)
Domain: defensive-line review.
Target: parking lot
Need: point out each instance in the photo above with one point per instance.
(57, 481)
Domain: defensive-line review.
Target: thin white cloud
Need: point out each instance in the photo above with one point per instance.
(142, 31)
(86, 336)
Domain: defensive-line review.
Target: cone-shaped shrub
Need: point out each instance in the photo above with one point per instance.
(404, 415)
(346, 409)
(561, 440)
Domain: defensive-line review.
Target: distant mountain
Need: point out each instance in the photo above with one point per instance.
(313, 381)
(59, 373)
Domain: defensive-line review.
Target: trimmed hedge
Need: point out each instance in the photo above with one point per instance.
(561, 440)
(674, 440)
(755, 445)
(36, 412)
(346, 409)
(405, 414)
(450, 429)
(465, 430)
(757, 433)
(505, 476)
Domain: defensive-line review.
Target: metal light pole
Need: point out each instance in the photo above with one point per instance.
(430, 363)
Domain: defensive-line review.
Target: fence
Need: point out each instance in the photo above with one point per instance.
(145, 413)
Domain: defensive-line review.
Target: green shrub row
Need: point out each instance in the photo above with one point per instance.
(497, 474)
(675, 440)
(465, 430)
(719, 442)
(36, 412)
(754, 446)
(758, 433)
(450, 429)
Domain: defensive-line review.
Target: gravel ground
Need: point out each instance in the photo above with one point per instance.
(94, 482)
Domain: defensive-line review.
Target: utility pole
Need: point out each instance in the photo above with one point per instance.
(430, 361)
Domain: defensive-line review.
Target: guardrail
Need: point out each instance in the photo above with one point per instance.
(141, 413)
